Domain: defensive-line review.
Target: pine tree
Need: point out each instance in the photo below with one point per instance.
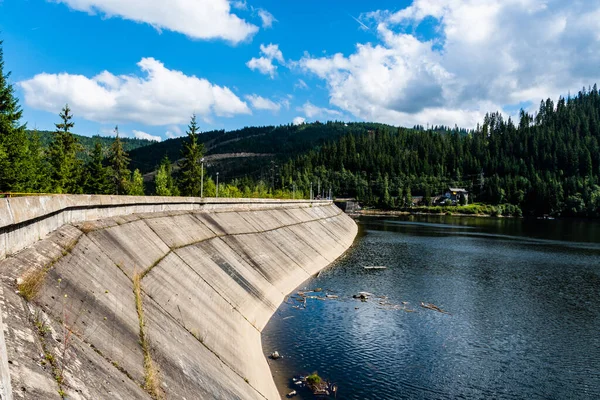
(161, 185)
(163, 181)
(135, 186)
(408, 201)
(190, 165)
(427, 195)
(64, 164)
(97, 179)
(38, 165)
(14, 144)
(119, 163)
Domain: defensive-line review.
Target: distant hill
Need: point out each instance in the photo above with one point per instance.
(89, 142)
(249, 152)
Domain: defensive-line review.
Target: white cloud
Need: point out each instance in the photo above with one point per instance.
(487, 55)
(300, 84)
(264, 64)
(260, 103)
(173, 132)
(239, 5)
(110, 132)
(299, 121)
(266, 17)
(198, 19)
(144, 135)
(160, 97)
(312, 111)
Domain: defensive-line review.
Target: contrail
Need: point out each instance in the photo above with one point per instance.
(360, 22)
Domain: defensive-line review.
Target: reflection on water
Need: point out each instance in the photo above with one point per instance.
(523, 298)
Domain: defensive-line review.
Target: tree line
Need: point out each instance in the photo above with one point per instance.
(546, 163)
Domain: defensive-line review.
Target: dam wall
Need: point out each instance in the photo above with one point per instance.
(115, 297)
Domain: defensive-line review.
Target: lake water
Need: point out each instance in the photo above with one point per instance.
(523, 322)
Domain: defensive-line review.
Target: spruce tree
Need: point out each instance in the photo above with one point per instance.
(190, 165)
(66, 167)
(136, 184)
(14, 144)
(161, 186)
(164, 183)
(97, 179)
(38, 165)
(119, 162)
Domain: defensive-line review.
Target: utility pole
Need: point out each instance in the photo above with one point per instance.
(311, 191)
(294, 191)
(217, 184)
(202, 177)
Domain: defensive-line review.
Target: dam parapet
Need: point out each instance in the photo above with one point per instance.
(151, 297)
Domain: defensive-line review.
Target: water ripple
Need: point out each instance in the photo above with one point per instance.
(523, 323)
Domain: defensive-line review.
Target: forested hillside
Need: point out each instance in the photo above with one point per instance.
(88, 143)
(547, 163)
(280, 142)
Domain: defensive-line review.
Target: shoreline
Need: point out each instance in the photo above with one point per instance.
(386, 213)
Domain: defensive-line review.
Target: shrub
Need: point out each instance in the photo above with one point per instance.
(313, 379)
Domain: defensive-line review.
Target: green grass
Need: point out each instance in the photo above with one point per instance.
(506, 210)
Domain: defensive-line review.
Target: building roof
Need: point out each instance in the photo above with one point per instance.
(458, 190)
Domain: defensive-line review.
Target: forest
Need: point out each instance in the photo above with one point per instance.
(88, 142)
(546, 163)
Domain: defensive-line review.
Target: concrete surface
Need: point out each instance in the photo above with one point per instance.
(214, 272)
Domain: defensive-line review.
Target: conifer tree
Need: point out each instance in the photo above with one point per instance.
(135, 186)
(190, 165)
(97, 179)
(64, 163)
(163, 181)
(119, 162)
(14, 144)
(38, 165)
(160, 182)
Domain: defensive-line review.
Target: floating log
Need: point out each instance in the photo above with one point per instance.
(433, 307)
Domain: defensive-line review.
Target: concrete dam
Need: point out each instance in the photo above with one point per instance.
(116, 297)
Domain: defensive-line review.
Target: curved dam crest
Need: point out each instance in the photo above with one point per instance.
(211, 273)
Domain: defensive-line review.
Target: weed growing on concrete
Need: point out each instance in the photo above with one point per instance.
(152, 379)
(30, 285)
(60, 359)
(42, 329)
(40, 325)
(87, 227)
(198, 337)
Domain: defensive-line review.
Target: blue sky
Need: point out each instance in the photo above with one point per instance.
(147, 66)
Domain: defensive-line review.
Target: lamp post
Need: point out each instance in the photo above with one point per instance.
(217, 184)
(202, 177)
